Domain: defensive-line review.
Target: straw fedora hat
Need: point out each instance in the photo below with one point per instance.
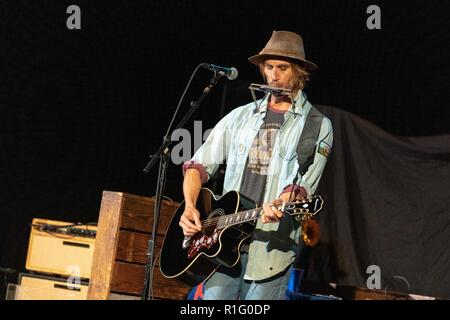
(284, 44)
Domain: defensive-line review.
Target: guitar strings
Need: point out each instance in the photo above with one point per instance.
(214, 221)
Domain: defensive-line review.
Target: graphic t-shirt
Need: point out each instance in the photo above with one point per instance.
(254, 178)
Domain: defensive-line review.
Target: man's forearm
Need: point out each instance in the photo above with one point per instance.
(192, 184)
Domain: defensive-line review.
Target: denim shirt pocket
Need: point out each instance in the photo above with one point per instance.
(238, 151)
(288, 157)
(240, 141)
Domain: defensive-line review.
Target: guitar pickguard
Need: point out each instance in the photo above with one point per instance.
(202, 241)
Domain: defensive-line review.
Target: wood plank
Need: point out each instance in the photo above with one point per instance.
(132, 246)
(129, 278)
(138, 213)
(105, 245)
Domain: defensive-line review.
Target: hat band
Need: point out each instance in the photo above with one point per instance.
(281, 52)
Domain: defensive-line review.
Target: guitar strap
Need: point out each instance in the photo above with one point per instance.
(306, 145)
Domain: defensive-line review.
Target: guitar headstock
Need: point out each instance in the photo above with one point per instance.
(304, 207)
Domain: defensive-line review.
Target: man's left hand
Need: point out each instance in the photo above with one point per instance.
(270, 213)
(273, 215)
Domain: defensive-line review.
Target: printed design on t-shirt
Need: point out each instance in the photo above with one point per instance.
(261, 149)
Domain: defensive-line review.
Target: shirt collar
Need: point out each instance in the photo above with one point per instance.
(297, 108)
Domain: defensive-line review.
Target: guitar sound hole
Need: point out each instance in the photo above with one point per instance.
(209, 231)
(211, 222)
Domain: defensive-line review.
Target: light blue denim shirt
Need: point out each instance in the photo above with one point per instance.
(230, 142)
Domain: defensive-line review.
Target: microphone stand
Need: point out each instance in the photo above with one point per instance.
(162, 154)
(297, 271)
(302, 169)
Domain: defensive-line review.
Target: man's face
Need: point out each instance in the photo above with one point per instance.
(279, 74)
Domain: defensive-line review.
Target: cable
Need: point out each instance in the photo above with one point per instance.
(69, 229)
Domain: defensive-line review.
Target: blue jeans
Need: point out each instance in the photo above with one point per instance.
(229, 284)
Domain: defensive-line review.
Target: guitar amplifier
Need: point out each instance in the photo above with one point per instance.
(37, 287)
(61, 248)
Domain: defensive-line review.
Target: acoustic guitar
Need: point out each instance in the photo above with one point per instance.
(227, 223)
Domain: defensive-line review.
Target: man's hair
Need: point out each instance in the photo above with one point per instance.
(301, 76)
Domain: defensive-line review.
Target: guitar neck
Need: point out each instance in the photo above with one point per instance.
(239, 217)
(303, 208)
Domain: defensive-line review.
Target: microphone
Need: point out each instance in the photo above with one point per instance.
(230, 73)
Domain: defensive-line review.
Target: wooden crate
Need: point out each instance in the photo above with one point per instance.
(124, 228)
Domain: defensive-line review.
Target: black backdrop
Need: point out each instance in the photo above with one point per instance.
(82, 109)
(387, 205)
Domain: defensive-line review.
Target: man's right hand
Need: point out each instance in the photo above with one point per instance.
(190, 221)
